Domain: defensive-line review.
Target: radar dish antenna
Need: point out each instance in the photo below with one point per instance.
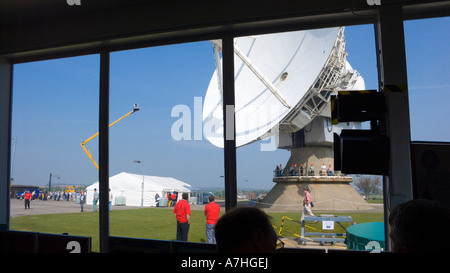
(282, 82)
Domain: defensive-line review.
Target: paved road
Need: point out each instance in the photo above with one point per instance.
(17, 207)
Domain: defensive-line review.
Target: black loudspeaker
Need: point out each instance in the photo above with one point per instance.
(361, 152)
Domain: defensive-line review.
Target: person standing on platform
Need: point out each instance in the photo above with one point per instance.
(330, 171)
(212, 211)
(311, 170)
(323, 170)
(182, 211)
(291, 170)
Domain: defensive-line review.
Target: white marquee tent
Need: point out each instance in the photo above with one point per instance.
(127, 189)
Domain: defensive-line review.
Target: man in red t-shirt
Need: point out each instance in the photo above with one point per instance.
(182, 212)
(174, 198)
(212, 211)
(28, 197)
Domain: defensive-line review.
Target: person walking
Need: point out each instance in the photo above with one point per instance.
(182, 211)
(96, 197)
(212, 211)
(307, 201)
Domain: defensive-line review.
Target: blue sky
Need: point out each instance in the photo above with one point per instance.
(55, 108)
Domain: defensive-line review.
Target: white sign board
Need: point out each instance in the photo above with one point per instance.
(328, 225)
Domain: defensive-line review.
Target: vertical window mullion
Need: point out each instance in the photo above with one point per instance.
(104, 150)
(228, 104)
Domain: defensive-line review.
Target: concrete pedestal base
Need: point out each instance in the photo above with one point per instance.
(329, 193)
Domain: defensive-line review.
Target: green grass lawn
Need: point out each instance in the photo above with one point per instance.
(153, 223)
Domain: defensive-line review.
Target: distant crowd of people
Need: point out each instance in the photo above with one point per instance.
(28, 196)
(301, 170)
(55, 196)
(62, 195)
(172, 198)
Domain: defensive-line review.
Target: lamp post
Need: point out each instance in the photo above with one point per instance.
(142, 187)
(50, 181)
(14, 139)
(222, 176)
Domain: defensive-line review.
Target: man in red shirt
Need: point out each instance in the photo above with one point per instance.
(174, 198)
(182, 212)
(212, 211)
(28, 197)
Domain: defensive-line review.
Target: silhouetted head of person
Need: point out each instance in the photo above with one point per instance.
(412, 223)
(211, 198)
(245, 230)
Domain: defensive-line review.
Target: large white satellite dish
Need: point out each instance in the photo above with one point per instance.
(282, 81)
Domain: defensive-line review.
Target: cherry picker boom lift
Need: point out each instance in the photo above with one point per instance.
(135, 109)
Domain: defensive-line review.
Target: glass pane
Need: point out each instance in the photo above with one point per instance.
(428, 84)
(160, 149)
(428, 77)
(55, 108)
(283, 85)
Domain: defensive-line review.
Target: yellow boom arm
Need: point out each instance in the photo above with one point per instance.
(135, 108)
